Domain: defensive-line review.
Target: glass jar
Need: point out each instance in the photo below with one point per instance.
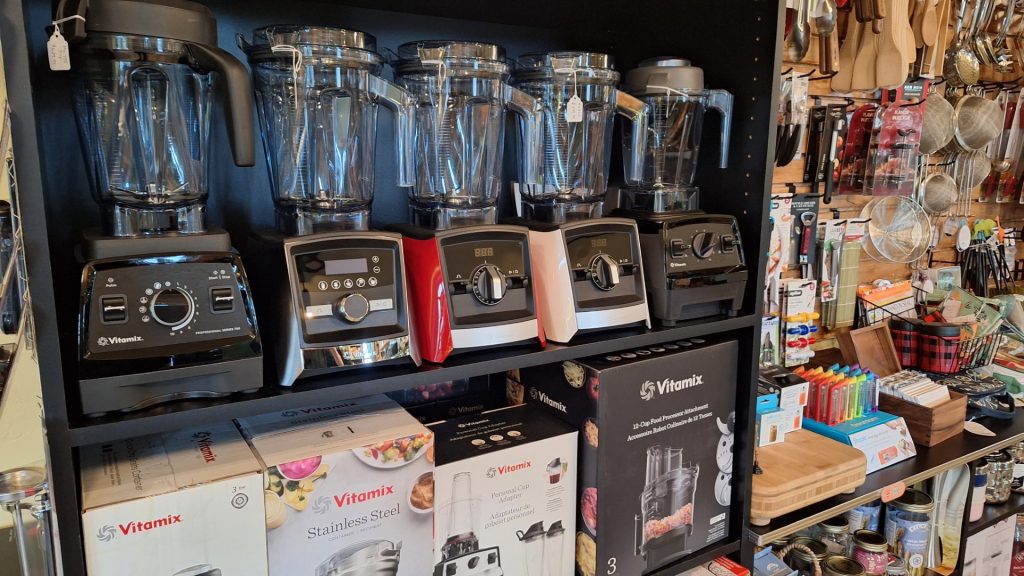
(804, 563)
(1000, 476)
(865, 516)
(841, 566)
(896, 567)
(835, 533)
(908, 529)
(1018, 467)
(870, 549)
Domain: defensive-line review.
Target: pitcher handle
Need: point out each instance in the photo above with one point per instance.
(403, 105)
(722, 101)
(241, 130)
(636, 111)
(531, 129)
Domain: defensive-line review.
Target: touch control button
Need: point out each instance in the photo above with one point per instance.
(353, 308)
(113, 309)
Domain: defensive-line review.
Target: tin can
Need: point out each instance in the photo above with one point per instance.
(865, 516)
(802, 562)
(871, 550)
(841, 566)
(908, 529)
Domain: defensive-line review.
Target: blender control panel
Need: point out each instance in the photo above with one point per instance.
(488, 276)
(706, 244)
(171, 303)
(346, 286)
(604, 261)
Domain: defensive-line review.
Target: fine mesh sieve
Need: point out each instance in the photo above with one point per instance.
(937, 129)
(940, 192)
(971, 169)
(977, 121)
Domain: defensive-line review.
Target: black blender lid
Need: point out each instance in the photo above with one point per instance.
(556, 528)
(175, 19)
(536, 529)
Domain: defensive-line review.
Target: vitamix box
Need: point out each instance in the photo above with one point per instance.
(655, 449)
(505, 484)
(349, 488)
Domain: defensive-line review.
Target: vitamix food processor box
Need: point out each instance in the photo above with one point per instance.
(655, 449)
(349, 488)
(183, 503)
(505, 485)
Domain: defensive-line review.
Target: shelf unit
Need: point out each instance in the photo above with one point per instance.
(929, 462)
(735, 42)
(996, 512)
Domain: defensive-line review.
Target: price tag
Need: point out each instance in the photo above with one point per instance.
(574, 109)
(57, 51)
(893, 491)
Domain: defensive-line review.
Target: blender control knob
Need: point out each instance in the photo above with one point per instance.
(703, 244)
(353, 308)
(604, 272)
(172, 307)
(489, 284)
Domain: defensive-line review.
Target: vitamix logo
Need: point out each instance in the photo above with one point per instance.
(108, 532)
(508, 468)
(542, 397)
(205, 445)
(321, 505)
(668, 385)
(317, 410)
(108, 340)
(348, 498)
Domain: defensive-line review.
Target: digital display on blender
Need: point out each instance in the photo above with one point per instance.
(599, 243)
(349, 266)
(483, 252)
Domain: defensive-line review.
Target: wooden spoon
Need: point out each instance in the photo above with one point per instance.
(929, 24)
(918, 21)
(841, 82)
(864, 63)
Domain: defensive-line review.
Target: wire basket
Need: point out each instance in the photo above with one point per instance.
(949, 355)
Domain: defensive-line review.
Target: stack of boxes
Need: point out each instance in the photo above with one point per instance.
(781, 399)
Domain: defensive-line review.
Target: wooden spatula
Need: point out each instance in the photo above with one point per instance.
(841, 82)
(864, 63)
(890, 63)
(929, 23)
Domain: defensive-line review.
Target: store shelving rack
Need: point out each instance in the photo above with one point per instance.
(734, 41)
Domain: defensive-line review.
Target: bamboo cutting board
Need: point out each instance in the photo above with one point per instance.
(805, 469)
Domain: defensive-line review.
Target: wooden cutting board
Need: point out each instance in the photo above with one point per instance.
(805, 469)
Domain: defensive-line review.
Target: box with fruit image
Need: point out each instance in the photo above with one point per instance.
(505, 488)
(348, 488)
(656, 434)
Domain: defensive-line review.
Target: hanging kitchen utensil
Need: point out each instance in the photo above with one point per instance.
(939, 194)
(799, 39)
(960, 65)
(891, 64)
(835, 128)
(937, 128)
(982, 41)
(977, 121)
(864, 63)
(841, 82)
(823, 23)
(898, 229)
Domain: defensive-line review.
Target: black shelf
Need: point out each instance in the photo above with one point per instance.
(996, 512)
(928, 463)
(699, 558)
(361, 382)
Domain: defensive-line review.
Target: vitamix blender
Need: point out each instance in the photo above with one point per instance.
(694, 261)
(371, 558)
(470, 281)
(666, 507)
(165, 305)
(333, 291)
(461, 554)
(580, 257)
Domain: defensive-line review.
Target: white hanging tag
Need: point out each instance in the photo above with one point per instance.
(574, 109)
(57, 51)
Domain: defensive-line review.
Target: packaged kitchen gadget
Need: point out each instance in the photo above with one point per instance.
(186, 502)
(655, 449)
(349, 488)
(883, 438)
(505, 487)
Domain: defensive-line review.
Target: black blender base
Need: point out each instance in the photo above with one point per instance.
(96, 245)
(132, 392)
(666, 548)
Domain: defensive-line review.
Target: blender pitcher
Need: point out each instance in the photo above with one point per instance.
(533, 549)
(674, 93)
(666, 505)
(317, 90)
(143, 98)
(462, 96)
(579, 97)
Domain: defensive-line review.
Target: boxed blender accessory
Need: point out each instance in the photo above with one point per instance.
(505, 484)
(186, 502)
(663, 465)
(349, 487)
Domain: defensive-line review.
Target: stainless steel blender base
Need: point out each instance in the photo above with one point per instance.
(320, 360)
(121, 220)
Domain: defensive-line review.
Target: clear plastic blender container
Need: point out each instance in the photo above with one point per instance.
(667, 500)
(580, 99)
(458, 520)
(462, 97)
(554, 543)
(533, 549)
(317, 94)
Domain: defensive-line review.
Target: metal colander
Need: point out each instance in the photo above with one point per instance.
(977, 121)
(937, 129)
(940, 192)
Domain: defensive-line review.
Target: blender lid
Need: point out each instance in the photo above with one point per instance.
(176, 19)
(555, 529)
(534, 531)
(425, 55)
(314, 40)
(566, 64)
(20, 483)
(662, 74)
(358, 555)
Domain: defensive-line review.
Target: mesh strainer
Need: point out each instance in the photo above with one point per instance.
(937, 129)
(898, 229)
(970, 169)
(977, 121)
(940, 192)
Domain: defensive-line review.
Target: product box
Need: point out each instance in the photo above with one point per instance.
(991, 550)
(656, 446)
(883, 438)
(350, 488)
(187, 502)
(507, 479)
(718, 567)
(766, 563)
(771, 427)
(792, 389)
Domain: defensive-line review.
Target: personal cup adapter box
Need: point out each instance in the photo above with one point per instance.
(506, 494)
(349, 488)
(655, 449)
(186, 502)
